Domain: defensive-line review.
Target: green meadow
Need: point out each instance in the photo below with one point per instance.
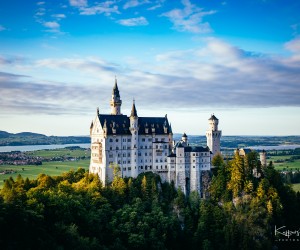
(60, 153)
(286, 165)
(49, 168)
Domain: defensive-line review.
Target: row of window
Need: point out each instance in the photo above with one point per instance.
(148, 167)
(129, 139)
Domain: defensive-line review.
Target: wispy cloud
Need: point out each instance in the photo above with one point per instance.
(106, 7)
(190, 18)
(59, 16)
(134, 3)
(2, 28)
(78, 3)
(52, 25)
(216, 74)
(136, 21)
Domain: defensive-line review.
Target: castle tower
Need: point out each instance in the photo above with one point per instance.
(115, 101)
(134, 129)
(213, 135)
(184, 139)
(263, 158)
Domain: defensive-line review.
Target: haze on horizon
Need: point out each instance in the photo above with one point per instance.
(237, 59)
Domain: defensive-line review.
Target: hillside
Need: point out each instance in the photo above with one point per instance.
(29, 138)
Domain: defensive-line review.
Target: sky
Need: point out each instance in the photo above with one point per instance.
(238, 60)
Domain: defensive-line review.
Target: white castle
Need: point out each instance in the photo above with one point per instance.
(142, 144)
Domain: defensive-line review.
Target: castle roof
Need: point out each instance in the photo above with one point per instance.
(196, 149)
(133, 110)
(116, 89)
(213, 118)
(121, 123)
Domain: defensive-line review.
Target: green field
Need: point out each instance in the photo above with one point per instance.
(60, 153)
(296, 187)
(49, 168)
(295, 165)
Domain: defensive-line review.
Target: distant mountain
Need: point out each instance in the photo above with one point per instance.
(30, 134)
(29, 138)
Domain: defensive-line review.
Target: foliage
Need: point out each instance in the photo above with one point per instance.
(75, 211)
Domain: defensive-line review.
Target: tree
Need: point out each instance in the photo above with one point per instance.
(236, 181)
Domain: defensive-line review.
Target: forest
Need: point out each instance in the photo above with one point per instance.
(75, 211)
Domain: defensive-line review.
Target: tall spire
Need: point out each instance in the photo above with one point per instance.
(133, 110)
(116, 89)
(116, 101)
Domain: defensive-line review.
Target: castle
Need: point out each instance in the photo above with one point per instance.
(141, 144)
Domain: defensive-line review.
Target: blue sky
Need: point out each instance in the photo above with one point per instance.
(237, 59)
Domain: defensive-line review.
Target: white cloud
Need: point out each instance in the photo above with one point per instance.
(157, 4)
(214, 75)
(59, 16)
(107, 8)
(40, 3)
(52, 25)
(189, 18)
(78, 3)
(136, 21)
(134, 3)
(293, 45)
(2, 28)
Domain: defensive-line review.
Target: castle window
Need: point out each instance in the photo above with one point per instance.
(128, 154)
(193, 166)
(124, 155)
(129, 140)
(141, 167)
(150, 167)
(110, 140)
(156, 139)
(128, 161)
(146, 154)
(124, 169)
(110, 148)
(149, 139)
(129, 168)
(145, 147)
(143, 139)
(156, 167)
(117, 148)
(142, 147)
(156, 160)
(119, 162)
